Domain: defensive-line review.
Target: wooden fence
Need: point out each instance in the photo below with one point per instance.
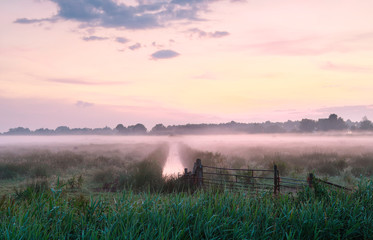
(248, 179)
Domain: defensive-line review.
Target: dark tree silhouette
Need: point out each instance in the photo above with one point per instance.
(366, 124)
(138, 129)
(159, 129)
(121, 129)
(307, 125)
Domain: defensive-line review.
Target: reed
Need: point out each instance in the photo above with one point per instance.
(321, 214)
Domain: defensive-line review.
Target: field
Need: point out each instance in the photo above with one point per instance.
(84, 188)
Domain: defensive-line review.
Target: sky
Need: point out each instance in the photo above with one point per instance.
(97, 63)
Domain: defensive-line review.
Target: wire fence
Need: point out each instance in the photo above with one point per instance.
(249, 179)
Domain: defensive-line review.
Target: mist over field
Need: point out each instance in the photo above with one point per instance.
(249, 149)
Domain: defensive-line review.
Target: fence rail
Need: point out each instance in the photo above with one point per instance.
(249, 179)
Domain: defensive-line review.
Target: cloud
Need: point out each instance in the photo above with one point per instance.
(31, 21)
(203, 34)
(301, 46)
(314, 45)
(164, 54)
(83, 82)
(83, 104)
(155, 44)
(94, 38)
(135, 46)
(121, 40)
(116, 14)
(329, 66)
(206, 75)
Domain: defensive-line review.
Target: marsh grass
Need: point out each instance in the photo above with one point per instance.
(99, 165)
(344, 167)
(146, 205)
(206, 214)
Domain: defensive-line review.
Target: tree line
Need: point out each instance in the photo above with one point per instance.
(332, 123)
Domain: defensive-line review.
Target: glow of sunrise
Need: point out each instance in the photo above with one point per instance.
(96, 63)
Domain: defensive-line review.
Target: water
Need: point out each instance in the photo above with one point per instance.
(173, 164)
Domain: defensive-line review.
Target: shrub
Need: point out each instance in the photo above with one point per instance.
(31, 190)
(75, 182)
(40, 171)
(146, 174)
(8, 171)
(105, 175)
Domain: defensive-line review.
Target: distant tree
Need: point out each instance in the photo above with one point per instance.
(137, 129)
(307, 125)
(121, 129)
(366, 124)
(158, 129)
(103, 131)
(291, 126)
(18, 131)
(62, 130)
(274, 128)
(332, 123)
(43, 131)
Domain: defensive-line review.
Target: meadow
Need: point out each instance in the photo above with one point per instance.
(115, 189)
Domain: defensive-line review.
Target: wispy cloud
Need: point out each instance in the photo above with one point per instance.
(94, 38)
(38, 20)
(203, 34)
(155, 44)
(135, 46)
(329, 66)
(83, 104)
(301, 46)
(83, 82)
(164, 54)
(314, 45)
(206, 75)
(121, 40)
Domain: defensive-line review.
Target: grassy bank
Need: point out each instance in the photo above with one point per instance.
(44, 212)
(118, 192)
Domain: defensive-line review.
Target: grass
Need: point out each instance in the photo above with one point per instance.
(48, 213)
(343, 166)
(118, 192)
(99, 165)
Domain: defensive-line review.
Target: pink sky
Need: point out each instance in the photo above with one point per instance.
(96, 63)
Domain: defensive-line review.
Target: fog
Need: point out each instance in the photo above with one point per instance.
(225, 144)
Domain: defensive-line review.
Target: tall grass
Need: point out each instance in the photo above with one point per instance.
(331, 163)
(320, 214)
(19, 162)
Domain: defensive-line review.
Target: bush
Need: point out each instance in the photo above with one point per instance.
(40, 171)
(31, 190)
(105, 175)
(146, 174)
(8, 171)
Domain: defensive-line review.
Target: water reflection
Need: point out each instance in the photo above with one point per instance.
(173, 164)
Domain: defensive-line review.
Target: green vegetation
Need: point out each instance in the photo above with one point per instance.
(42, 212)
(104, 167)
(343, 166)
(111, 192)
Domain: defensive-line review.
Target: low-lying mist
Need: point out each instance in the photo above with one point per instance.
(118, 160)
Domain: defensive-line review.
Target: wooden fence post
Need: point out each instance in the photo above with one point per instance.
(198, 172)
(310, 179)
(275, 179)
(278, 181)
